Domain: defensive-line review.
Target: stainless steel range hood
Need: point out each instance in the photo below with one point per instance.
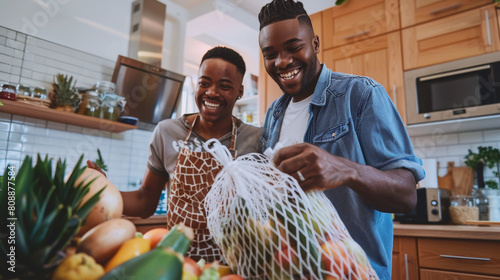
(146, 31)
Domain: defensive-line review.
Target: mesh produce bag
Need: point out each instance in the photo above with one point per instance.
(268, 228)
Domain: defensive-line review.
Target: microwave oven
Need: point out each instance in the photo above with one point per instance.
(458, 89)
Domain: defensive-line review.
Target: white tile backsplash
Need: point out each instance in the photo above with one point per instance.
(34, 62)
(28, 136)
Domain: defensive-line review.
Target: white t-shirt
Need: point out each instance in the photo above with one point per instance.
(295, 121)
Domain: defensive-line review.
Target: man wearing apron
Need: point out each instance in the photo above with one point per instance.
(177, 159)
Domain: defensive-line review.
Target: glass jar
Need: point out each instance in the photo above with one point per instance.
(40, 93)
(110, 106)
(93, 106)
(8, 92)
(23, 90)
(482, 203)
(104, 87)
(493, 197)
(463, 208)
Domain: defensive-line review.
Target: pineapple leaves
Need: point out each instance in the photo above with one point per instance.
(64, 91)
(49, 213)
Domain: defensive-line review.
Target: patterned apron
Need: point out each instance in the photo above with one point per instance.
(193, 177)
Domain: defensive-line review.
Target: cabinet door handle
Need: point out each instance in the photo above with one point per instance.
(356, 34)
(406, 268)
(465, 258)
(394, 95)
(488, 31)
(442, 10)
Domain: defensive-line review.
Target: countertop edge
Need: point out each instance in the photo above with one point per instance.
(448, 231)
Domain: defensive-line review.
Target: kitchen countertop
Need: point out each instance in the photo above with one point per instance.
(411, 230)
(448, 231)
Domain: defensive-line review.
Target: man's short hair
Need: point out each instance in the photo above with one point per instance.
(278, 10)
(228, 55)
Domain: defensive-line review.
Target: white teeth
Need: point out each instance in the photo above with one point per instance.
(211, 105)
(290, 74)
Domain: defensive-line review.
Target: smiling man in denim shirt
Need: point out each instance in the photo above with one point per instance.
(353, 144)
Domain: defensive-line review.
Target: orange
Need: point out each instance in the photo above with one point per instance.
(155, 235)
(334, 258)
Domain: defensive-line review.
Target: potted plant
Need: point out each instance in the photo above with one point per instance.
(485, 157)
(64, 96)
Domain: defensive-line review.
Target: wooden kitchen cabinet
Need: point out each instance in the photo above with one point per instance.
(450, 38)
(446, 252)
(268, 91)
(460, 255)
(378, 58)
(420, 11)
(359, 19)
(404, 258)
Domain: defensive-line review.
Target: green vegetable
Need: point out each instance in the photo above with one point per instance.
(163, 262)
(159, 263)
(178, 238)
(100, 162)
(210, 273)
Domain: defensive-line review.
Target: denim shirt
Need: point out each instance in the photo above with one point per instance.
(353, 117)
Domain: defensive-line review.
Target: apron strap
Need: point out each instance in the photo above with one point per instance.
(232, 146)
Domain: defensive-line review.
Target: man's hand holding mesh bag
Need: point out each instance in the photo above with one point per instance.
(268, 228)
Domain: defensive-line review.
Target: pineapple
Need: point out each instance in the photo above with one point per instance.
(48, 213)
(64, 96)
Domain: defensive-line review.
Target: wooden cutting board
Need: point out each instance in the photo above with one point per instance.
(458, 180)
(463, 178)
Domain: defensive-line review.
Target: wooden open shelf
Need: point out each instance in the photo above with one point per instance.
(38, 112)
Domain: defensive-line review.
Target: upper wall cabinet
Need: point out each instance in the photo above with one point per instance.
(358, 20)
(450, 38)
(419, 11)
(378, 58)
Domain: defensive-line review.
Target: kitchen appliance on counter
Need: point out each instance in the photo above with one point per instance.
(432, 207)
(456, 90)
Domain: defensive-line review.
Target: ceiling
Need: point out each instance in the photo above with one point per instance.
(229, 22)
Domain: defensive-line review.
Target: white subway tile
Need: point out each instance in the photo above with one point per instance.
(56, 125)
(16, 127)
(4, 77)
(455, 150)
(4, 127)
(5, 117)
(21, 37)
(74, 128)
(492, 135)
(17, 119)
(35, 122)
(16, 70)
(13, 155)
(11, 34)
(470, 137)
(4, 57)
(3, 145)
(27, 74)
(3, 31)
(18, 54)
(5, 68)
(13, 146)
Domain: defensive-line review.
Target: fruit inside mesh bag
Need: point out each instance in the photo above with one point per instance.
(268, 228)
